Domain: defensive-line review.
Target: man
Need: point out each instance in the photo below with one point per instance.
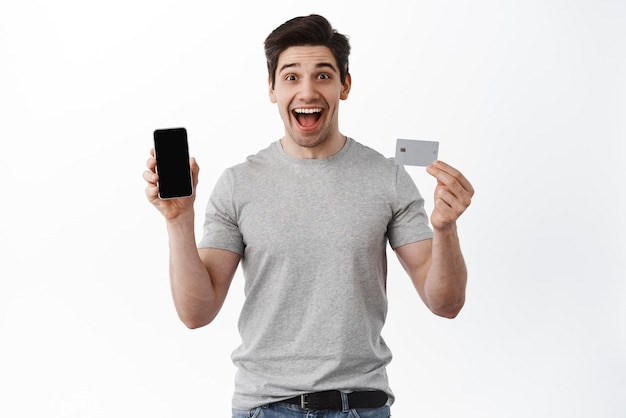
(309, 217)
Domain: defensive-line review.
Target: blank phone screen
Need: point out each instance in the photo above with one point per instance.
(172, 155)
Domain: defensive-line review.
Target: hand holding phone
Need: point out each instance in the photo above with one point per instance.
(171, 150)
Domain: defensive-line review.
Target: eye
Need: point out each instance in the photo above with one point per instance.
(290, 77)
(324, 76)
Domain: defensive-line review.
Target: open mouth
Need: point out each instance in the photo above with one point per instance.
(307, 118)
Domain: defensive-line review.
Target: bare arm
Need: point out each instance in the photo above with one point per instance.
(437, 267)
(200, 278)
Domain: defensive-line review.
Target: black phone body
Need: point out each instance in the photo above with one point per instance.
(171, 150)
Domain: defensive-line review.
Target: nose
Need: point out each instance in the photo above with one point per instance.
(308, 90)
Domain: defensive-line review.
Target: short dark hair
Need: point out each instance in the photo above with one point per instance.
(312, 30)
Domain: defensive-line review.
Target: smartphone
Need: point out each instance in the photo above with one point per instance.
(171, 150)
(416, 152)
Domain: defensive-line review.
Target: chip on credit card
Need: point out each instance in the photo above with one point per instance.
(416, 152)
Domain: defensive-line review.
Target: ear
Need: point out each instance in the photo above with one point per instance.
(271, 90)
(345, 89)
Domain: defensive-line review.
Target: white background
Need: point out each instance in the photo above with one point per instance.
(527, 98)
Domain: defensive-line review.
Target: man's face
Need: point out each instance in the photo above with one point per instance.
(307, 91)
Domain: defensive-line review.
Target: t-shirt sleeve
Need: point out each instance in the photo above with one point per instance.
(221, 228)
(410, 221)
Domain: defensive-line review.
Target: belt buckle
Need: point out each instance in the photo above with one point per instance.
(304, 402)
(318, 400)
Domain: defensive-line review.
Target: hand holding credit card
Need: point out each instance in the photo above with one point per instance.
(416, 152)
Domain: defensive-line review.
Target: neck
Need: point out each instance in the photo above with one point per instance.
(330, 146)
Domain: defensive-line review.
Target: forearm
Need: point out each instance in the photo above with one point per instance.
(191, 284)
(444, 287)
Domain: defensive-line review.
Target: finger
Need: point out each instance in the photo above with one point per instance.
(449, 188)
(152, 192)
(454, 205)
(440, 167)
(151, 164)
(150, 177)
(444, 215)
(195, 169)
(447, 174)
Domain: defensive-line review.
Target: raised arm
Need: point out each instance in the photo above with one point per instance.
(200, 278)
(437, 268)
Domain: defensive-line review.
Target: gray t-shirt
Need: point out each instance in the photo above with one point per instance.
(313, 234)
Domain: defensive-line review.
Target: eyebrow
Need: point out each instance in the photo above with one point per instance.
(318, 65)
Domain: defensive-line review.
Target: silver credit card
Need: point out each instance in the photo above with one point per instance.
(416, 152)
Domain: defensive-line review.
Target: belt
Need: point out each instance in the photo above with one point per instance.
(331, 399)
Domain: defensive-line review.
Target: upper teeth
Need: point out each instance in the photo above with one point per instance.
(316, 110)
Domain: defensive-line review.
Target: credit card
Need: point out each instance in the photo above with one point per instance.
(416, 152)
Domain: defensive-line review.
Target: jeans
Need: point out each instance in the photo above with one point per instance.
(282, 410)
